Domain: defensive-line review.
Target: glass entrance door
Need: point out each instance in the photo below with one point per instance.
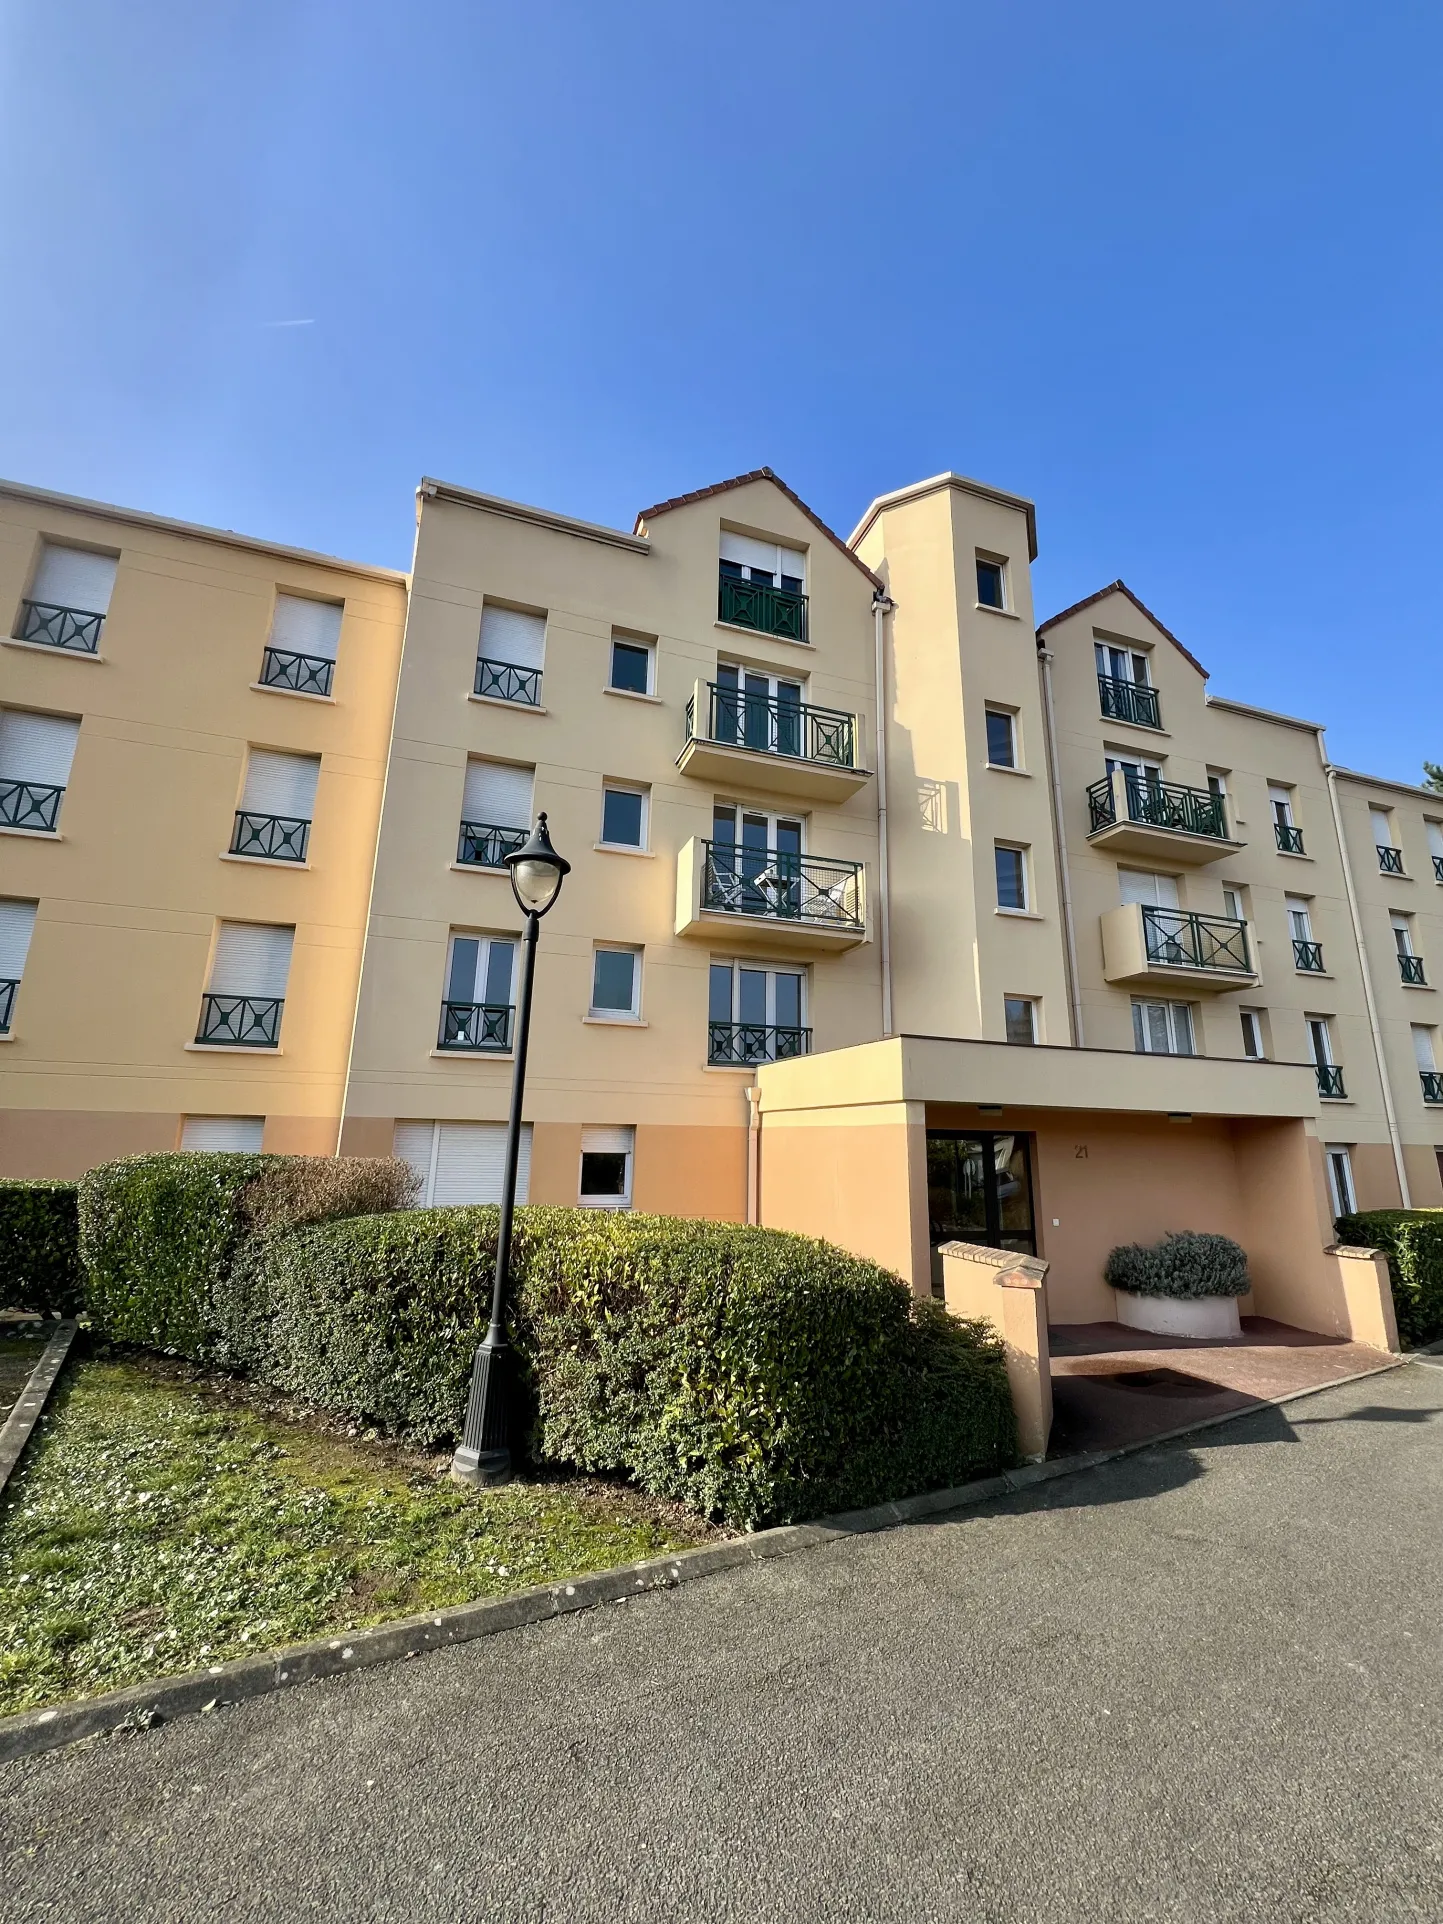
(979, 1190)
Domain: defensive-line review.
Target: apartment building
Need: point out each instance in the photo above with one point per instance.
(893, 916)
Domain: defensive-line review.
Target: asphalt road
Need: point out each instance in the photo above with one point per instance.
(1196, 1684)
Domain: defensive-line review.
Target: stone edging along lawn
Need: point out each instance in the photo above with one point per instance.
(15, 1433)
(139, 1706)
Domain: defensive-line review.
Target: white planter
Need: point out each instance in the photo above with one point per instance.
(1180, 1315)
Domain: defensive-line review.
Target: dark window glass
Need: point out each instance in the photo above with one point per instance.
(603, 1172)
(462, 985)
(621, 818)
(989, 584)
(762, 576)
(1021, 1020)
(498, 972)
(789, 1001)
(1011, 891)
(792, 584)
(719, 1000)
(752, 998)
(999, 740)
(630, 667)
(732, 568)
(613, 980)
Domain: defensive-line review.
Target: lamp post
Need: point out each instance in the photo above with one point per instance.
(484, 1454)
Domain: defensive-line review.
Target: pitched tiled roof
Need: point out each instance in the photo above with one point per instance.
(744, 480)
(1121, 588)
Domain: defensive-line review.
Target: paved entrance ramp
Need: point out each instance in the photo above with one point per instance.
(1112, 1385)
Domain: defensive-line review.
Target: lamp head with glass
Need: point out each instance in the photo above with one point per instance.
(537, 871)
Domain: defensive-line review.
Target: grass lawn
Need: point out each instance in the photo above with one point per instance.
(161, 1523)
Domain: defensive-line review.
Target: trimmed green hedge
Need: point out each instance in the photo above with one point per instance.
(1187, 1264)
(1412, 1240)
(40, 1248)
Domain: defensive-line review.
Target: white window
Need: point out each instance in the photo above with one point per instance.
(1122, 664)
(607, 1156)
(1154, 891)
(1435, 847)
(633, 665)
(462, 1162)
(765, 562)
(251, 959)
(1234, 903)
(1320, 1041)
(1402, 933)
(991, 581)
(1010, 863)
(757, 710)
(1340, 1178)
(1001, 738)
(495, 812)
(35, 756)
(512, 636)
(616, 983)
(1280, 800)
(623, 816)
(17, 922)
(301, 626)
(1162, 1028)
(1019, 1013)
(476, 1012)
(234, 1133)
(75, 579)
(1382, 821)
(755, 1014)
(1423, 1053)
(1252, 1025)
(1300, 921)
(281, 784)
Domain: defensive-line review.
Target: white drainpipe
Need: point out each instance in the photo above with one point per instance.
(1374, 1026)
(754, 1155)
(882, 606)
(1059, 829)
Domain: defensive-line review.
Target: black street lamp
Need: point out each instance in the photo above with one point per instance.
(484, 1455)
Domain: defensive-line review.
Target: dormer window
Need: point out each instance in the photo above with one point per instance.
(763, 586)
(768, 564)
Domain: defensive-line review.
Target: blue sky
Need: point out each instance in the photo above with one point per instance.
(1172, 271)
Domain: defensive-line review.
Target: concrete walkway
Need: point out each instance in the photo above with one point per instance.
(1197, 1684)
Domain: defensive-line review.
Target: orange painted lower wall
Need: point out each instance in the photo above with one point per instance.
(67, 1142)
(688, 1171)
(854, 1177)
(1425, 1179)
(1375, 1174)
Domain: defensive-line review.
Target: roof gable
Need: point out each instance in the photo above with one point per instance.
(1120, 587)
(745, 480)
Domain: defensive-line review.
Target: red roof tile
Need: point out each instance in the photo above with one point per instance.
(1121, 588)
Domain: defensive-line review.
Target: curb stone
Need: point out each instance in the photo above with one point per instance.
(143, 1706)
(26, 1414)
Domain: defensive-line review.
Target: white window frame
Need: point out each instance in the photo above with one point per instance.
(1024, 850)
(608, 1140)
(1429, 1042)
(771, 970)
(1120, 661)
(1251, 1021)
(643, 646)
(1402, 926)
(641, 847)
(487, 939)
(1320, 1029)
(1280, 801)
(779, 550)
(1142, 1034)
(1009, 715)
(633, 1015)
(1299, 911)
(1339, 1164)
(982, 558)
(1030, 1003)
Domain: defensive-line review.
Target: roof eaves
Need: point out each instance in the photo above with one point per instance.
(1120, 587)
(745, 480)
(536, 517)
(917, 489)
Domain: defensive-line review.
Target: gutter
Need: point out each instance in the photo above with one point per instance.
(1059, 831)
(882, 606)
(754, 1156)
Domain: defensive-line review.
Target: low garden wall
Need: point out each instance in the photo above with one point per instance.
(1411, 1240)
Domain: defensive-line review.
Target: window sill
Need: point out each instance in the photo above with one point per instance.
(1120, 721)
(1338, 1102)
(1313, 975)
(296, 694)
(1426, 987)
(1021, 915)
(731, 1068)
(48, 648)
(9, 1036)
(1007, 614)
(511, 707)
(475, 868)
(632, 694)
(231, 1049)
(616, 1021)
(473, 1055)
(763, 634)
(1290, 854)
(33, 834)
(1001, 768)
(623, 848)
(262, 861)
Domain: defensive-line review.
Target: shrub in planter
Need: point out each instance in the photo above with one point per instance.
(751, 1374)
(1187, 1264)
(1412, 1241)
(40, 1248)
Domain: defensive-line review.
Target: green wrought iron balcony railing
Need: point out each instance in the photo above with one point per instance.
(1432, 1081)
(738, 880)
(77, 629)
(486, 845)
(1438, 868)
(476, 1027)
(33, 805)
(1390, 860)
(1192, 811)
(1330, 1081)
(774, 725)
(771, 611)
(8, 986)
(736, 1044)
(508, 681)
(270, 838)
(241, 1021)
(1129, 701)
(1308, 957)
(1410, 968)
(301, 674)
(1290, 838)
(1178, 939)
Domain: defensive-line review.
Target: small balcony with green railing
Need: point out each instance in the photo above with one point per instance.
(757, 605)
(1148, 947)
(1411, 971)
(732, 891)
(738, 1045)
(1131, 814)
(1308, 957)
(1432, 1081)
(775, 742)
(475, 1028)
(1330, 1082)
(1390, 859)
(1129, 701)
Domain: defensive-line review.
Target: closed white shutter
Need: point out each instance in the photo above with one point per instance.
(279, 784)
(36, 748)
(222, 1132)
(74, 578)
(748, 553)
(251, 958)
(792, 562)
(1423, 1047)
(17, 920)
(1382, 828)
(462, 1162)
(608, 1141)
(413, 1143)
(305, 627)
(498, 793)
(1157, 891)
(508, 635)
(1435, 840)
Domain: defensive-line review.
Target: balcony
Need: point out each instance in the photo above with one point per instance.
(1410, 968)
(736, 1045)
(761, 898)
(1432, 1081)
(763, 741)
(475, 1028)
(241, 1021)
(1290, 839)
(1330, 1082)
(770, 611)
(76, 629)
(486, 845)
(1308, 957)
(270, 838)
(1129, 701)
(1150, 947)
(507, 681)
(8, 988)
(1438, 868)
(1161, 821)
(300, 674)
(1390, 860)
(30, 805)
